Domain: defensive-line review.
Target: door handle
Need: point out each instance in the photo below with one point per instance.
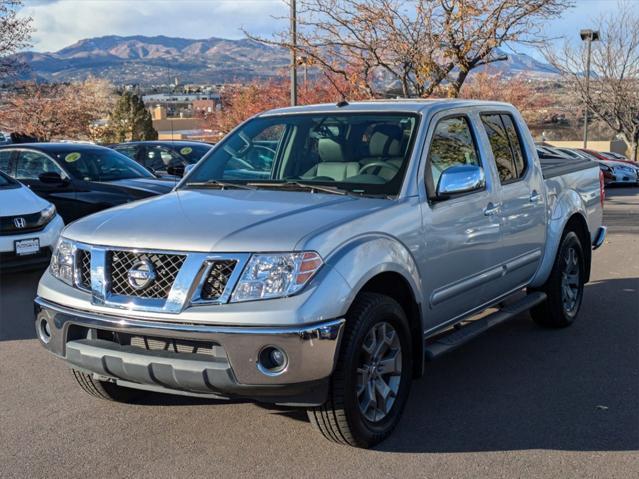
(534, 196)
(491, 209)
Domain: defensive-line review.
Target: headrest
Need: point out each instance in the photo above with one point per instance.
(331, 150)
(386, 140)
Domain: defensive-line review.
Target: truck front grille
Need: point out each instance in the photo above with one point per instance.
(83, 260)
(166, 268)
(217, 279)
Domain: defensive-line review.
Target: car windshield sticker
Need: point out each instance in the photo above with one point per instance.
(186, 150)
(71, 157)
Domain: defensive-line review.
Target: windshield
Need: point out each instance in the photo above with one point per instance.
(192, 153)
(7, 182)
(100, 165)
(360, 153)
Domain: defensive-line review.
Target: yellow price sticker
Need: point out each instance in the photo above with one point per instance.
(186, 150)
(71, 157)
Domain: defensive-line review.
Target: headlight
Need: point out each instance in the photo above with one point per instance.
(47, 214)
(276, 275)
(62, 261)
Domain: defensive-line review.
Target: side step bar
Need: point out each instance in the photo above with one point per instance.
(457, 337)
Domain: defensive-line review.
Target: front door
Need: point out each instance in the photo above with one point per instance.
(462, 232)
(30, 165)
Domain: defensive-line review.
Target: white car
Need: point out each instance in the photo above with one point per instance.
(29, 226)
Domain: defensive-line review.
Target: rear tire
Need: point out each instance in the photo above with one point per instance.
(371, 381)
(565, 285)
(107, 390)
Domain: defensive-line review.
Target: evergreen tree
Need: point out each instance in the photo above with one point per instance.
(130, 120)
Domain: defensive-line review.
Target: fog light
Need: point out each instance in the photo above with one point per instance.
(44, 330)
(272, 361)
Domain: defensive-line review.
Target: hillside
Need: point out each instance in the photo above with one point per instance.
(157, 60)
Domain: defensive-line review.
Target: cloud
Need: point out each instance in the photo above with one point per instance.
(59, 23)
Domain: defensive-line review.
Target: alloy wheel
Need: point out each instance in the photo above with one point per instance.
(379, 372)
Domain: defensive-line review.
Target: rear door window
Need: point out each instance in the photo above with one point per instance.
(506, 146)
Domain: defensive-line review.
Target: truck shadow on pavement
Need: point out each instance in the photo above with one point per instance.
(524, 387)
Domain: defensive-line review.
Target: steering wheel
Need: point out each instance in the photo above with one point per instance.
(380, 164)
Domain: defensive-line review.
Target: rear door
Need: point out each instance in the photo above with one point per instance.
(521, 204)
(30, 164)
(462, 232)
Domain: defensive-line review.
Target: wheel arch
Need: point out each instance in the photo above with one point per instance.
(382, 264)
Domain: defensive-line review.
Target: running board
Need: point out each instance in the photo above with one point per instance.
(462, 335)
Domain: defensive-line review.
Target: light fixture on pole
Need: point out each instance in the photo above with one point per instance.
(293, 53)
(588, 36)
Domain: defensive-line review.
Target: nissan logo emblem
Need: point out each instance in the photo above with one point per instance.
(19, 222)
(141, 274)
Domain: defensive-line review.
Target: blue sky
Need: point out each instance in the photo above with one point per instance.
(60, 23)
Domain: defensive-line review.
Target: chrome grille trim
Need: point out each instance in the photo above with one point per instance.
(186, 289)
(166, 266)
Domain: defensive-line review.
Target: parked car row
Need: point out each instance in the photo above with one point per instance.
(45, 185)
(616, 168)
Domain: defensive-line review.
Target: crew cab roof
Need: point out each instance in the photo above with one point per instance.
(408, 105)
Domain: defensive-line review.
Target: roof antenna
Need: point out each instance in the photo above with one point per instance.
(342, 103)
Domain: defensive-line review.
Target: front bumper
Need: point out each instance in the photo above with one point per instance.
(91, 342)
(10, 261)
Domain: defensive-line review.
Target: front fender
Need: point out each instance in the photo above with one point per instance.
(562, 209)
(365, 257)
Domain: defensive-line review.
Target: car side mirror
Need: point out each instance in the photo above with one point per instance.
(52, 178)
(187, 169)
(460, 179)
(176, 170)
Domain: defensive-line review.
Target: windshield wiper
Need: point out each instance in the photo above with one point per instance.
(306, 186)
(221, 184)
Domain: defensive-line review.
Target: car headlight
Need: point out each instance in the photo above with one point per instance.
(47, 214)
(276, 275)
(62, 261)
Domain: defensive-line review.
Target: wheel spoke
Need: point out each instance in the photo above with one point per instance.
(389, 365)
(385, 393)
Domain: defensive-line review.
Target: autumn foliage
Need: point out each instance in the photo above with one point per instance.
(240, 102)
(57, 111)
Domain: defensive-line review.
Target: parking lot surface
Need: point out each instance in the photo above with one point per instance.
(519, 401)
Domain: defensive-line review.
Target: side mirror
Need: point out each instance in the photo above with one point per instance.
(176, 170)
(460, 179)
(52, 178)
(188, 168)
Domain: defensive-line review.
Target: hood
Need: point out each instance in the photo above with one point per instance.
(20, 201)
(221, 221)
(613, 163)
(147, 185)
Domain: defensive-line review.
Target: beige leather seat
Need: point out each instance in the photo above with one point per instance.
(332, 164)
(385, 146)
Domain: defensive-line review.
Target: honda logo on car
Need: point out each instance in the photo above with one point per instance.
(19, 222)
(141, 274)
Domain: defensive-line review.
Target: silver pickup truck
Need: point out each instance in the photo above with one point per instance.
(320, 256)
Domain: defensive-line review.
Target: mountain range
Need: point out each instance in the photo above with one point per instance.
(160, 59)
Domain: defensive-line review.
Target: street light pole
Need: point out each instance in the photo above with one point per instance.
(589, 36)
(293, 53)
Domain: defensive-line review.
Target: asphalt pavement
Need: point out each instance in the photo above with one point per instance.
(519, 401)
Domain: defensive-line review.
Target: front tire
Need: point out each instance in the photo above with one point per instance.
(107, 390)
(371, 381)
(565, 286)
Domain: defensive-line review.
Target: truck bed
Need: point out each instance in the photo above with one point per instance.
(552, 167)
